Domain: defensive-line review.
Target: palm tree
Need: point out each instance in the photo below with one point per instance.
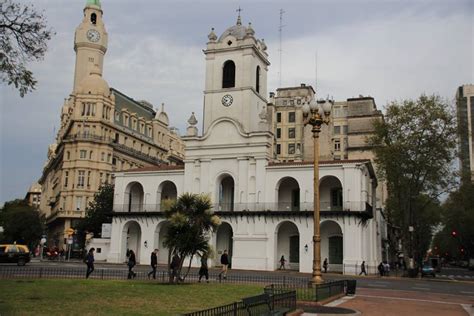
(191, 224)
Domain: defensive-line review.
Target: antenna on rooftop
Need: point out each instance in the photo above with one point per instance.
(280, 30)
(315, 72)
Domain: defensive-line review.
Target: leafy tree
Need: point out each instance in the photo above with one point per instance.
(21, 223)
(191, 223)
(414, 147)
(458, 217)
(98, 211)
(23, 38)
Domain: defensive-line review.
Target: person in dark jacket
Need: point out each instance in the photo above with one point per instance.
(381, 269)
(325, 265)
(174, 266)
(132, 261)
(153, 263)
(90, 262)
(204, 271)
(362, 268)
(225, 265)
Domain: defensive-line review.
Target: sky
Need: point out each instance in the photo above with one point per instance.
(390, 50)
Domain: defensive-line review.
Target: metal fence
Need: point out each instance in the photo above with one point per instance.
(282, 300)
(310, 292)
(17, 272)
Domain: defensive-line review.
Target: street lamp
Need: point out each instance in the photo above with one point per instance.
(316, 113)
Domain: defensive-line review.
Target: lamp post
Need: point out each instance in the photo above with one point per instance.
(316, 113)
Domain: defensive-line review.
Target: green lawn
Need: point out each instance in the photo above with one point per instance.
(92, 297)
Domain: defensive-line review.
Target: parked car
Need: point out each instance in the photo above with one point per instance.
(12, 253)
(428, 270)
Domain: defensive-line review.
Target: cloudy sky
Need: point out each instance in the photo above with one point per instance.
(390, 50)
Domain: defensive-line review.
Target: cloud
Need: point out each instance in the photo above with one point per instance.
(387, 49)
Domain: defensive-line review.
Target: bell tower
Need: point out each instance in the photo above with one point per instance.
(90, 42)
(236, 77)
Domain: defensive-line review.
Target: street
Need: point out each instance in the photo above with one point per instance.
(421, 285)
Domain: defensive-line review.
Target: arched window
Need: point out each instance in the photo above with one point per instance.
(228, 75)
(257, 80)
(93, 18)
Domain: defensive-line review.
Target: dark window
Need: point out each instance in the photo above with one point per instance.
(291, 149)
(278, 132)
(345, 129)
(257, 84)
(93, 18)
(116, 140)
(291, 133)
(278, 149)
(228, 75)
(337, 130)
(335, 250)
(294, 249)
(291, 117)
(279, 117)
(336, 197)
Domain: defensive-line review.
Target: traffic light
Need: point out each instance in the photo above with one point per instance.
(454, 233)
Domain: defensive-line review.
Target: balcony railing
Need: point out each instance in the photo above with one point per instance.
(325, 206)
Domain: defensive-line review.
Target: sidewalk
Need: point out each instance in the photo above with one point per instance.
(370, 302)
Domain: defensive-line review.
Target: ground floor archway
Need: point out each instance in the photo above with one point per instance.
(131, 240)
(224, 241)
(332, 245)
(288, 245)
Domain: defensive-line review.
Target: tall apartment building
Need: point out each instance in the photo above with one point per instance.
(102, 131)
(465, 116)
(33, 196)
(345, 137)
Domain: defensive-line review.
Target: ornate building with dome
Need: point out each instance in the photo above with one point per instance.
(265, 204)
(102, 131)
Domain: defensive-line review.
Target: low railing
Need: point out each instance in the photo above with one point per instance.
(325, 206)
(25, 272)
(281, 300)
(310, 292)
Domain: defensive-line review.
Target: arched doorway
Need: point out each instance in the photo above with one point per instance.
(288, 244)
(167, 193)
(134, 197)
(160, 233)
(131, 239)
(288, 195)
(330, 194)
(226, 193)
(224, 241)
(332, 245)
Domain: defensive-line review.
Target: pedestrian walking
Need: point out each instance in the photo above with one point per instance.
(362, 268)
(90, 262)
(381, 269)
(132, 261)
(282, 262)
(174, 266)
(153, 263)
(204, 270)
(386, 268)
(225, 265)
(325, 265)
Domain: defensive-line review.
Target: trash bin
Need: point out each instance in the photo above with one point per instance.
(351, 287)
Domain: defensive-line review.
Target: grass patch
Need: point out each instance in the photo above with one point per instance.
(93, 297)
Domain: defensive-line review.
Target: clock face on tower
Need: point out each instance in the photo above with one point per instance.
(93, 35)
(227, 100)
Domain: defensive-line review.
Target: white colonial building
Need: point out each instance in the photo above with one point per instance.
(265, 205)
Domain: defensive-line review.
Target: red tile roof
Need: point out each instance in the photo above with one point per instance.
(321, 162)
(156, 168)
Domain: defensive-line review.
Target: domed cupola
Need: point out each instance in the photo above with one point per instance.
(238, 31)
(94, 83)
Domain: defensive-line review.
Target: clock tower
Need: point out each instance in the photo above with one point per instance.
(90, 42)
(236, 77)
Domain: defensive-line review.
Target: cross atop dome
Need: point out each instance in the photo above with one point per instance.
(239, 21)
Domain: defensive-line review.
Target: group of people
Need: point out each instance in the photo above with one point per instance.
(174, 265)
(384, 268)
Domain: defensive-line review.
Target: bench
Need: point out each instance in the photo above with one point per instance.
(262, 305)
